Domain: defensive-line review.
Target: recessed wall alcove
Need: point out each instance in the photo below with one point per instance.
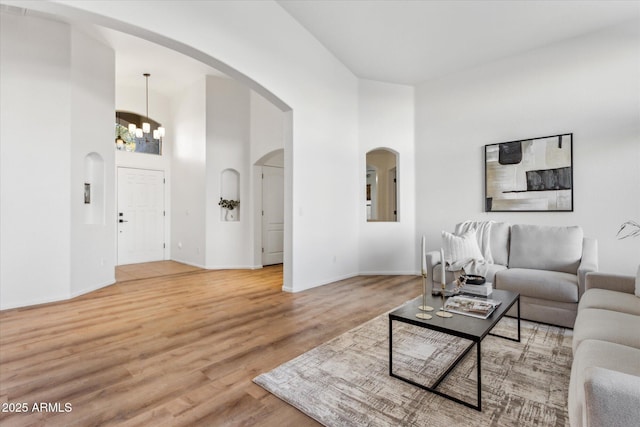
(382, 185)
(93, 189)
(230, 190)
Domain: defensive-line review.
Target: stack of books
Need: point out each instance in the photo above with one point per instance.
(483, 290)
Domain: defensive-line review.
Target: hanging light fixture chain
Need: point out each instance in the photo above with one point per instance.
(146, 76)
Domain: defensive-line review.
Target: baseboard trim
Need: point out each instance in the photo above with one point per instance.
(232, 267)
(192, 264)
(34, 302)
(389, 273)
(67, 297)
(93, 288)
(321, 283)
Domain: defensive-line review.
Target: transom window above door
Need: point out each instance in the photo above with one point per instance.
(132, 135)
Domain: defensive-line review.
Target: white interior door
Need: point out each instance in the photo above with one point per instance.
(272, 215)
(140, 215)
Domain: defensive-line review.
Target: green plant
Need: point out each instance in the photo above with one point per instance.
(228, 204)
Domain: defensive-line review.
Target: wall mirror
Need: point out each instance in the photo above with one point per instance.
(381, 190)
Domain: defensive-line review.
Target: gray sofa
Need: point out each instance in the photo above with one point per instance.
(547, 265)
(604, 389)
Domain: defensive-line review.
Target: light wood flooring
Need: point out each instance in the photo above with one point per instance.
(178, 349)
(147, 270)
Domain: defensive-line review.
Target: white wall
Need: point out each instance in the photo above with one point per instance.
(188, 171)
(229, 243)
(267, 129)
(587, 85)
(386, 119)
(260, 44)
(35, 87)
(92, 251)
(54, 110)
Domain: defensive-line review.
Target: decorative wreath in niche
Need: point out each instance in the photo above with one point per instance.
(228, 204)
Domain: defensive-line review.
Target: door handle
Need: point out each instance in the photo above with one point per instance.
(122, 220)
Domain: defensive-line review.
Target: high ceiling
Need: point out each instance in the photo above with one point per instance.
(408, 42)
(396, 41)
(170, 71)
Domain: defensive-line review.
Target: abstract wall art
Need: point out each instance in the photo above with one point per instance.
(530, 175)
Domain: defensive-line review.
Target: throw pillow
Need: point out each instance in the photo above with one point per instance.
(638, 282)
(463, 247)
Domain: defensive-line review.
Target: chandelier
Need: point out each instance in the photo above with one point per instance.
(146, 127)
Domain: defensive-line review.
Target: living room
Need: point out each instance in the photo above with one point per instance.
(585, 84)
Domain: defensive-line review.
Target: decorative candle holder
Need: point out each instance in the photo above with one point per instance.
(443, 311)
(424, 306)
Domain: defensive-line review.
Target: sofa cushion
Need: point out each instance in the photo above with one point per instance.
(546, 311)
(461, 248)
(492, 269)
(610, 300)
(611, 398)
(546, 248)
(606, 325)
(499, 242)
(546, 285)
(601, 354)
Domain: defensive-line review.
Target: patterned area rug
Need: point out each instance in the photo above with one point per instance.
(346, 382)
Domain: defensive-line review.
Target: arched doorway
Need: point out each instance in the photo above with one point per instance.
(70, 14)
(269, 236)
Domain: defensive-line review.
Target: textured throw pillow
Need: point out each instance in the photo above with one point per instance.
(461, 248)
(638, 282)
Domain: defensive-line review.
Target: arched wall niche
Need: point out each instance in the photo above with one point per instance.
(382, 185)
(94, 189)
(230, 190)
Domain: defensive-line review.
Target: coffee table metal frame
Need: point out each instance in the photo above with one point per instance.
(467, 327)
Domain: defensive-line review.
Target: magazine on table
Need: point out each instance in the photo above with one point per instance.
(471, 306)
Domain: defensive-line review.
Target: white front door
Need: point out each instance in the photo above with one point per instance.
(272, 215)
(140, 215)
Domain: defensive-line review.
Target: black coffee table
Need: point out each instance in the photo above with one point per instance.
(459, 325)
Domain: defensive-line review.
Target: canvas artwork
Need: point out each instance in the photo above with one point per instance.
(530, 175)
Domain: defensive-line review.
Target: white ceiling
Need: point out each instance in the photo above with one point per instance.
(170, 71)
(397, 41)
(408, 42)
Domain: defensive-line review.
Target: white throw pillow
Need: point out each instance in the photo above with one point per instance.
(461, 248)
(638, 282)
